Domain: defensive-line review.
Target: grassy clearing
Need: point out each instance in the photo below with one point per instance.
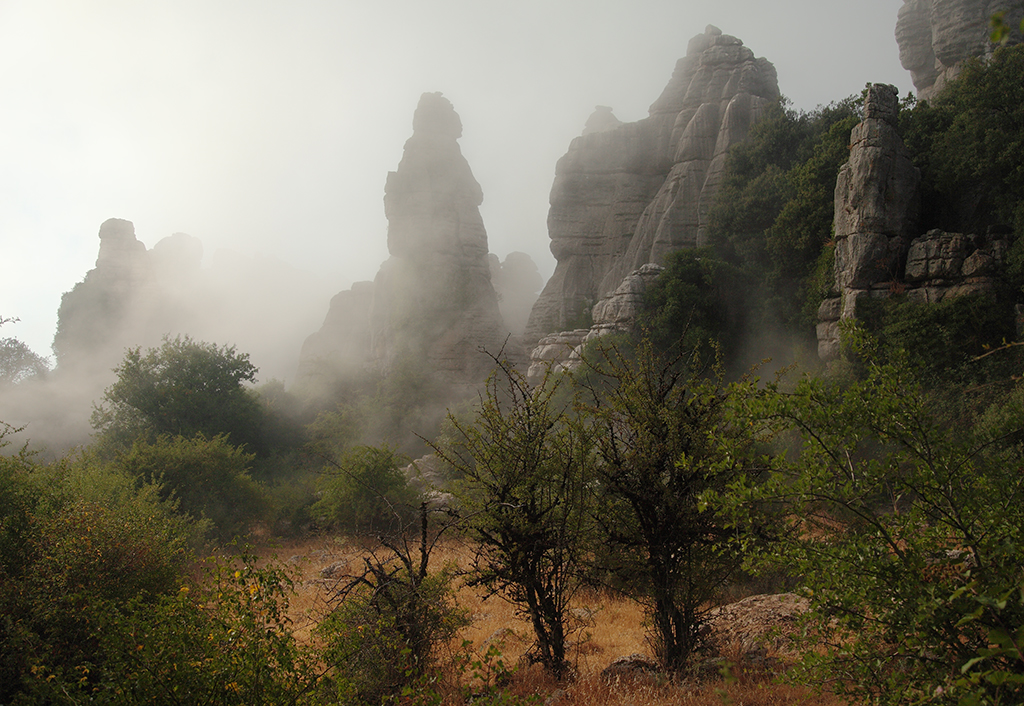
(606, 625)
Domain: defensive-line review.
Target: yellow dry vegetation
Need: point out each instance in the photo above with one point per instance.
(606, 625)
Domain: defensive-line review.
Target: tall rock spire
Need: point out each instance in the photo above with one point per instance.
(433, 297)
(432, 304)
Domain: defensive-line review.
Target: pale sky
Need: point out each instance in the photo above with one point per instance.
(270, 127)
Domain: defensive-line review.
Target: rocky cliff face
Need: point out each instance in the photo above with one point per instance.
(432, 300)
(616, 312)
(626, 194)
(104, 312)
(878, 251)
(936, 36)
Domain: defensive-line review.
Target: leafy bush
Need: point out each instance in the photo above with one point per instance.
(366, 492)
(68, 556)
(182, 388)
(390, 619)
(225, 640)
(209, 478)
(907, 528)
(695, 303)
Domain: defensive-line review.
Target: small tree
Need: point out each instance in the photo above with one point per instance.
(391, 615)
(525, 463)
(662, 441)
(182, 388)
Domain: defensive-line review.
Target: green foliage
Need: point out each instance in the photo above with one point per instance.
(661, 441)
(366, 492)
(804, 225)
(226, 640)
(772, 222)
(981, 151)
(76, 538)
(524, 462)
(19, 363)
(183, 388)
(906, 527)
(209, 478)
(390, 620)
(694, 304)
(940, 341)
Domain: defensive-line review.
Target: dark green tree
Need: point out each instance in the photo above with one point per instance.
(662, 440)
(182, 388)
(525, 464)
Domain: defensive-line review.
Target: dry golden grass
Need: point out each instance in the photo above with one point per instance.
(607, 626)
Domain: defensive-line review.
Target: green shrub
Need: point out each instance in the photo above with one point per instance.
(68, 557)
(225, 640)
(906, 524)
(390, 619)
(209, 479)
(366, 492)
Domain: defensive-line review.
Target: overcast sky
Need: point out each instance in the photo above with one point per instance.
(269, 127)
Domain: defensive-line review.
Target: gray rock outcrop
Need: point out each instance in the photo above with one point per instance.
(935, 37)
(432, 301)
(341, 348)
(106, 310)
(943, 265)
(876, 210)
(625, 195)
(876, 197)
(616, 312)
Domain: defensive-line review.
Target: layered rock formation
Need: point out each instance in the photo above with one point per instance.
(876, 197)
(616, 312)
(936, 36)
(877, 255)
(876, 209)
(625, 195)
(432, 301)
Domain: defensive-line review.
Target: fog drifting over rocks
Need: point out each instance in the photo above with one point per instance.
(267, 129)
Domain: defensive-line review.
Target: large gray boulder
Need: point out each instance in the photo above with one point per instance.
(625, 195)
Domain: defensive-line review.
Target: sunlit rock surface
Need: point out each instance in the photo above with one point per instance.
(627, 194)
(935, 37)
